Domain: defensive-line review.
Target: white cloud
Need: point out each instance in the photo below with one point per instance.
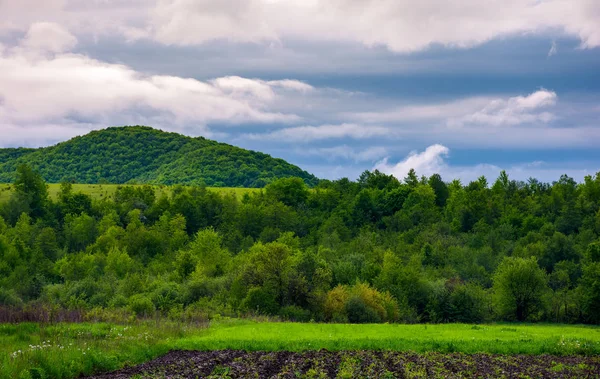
(93, 17)
(493, 111)
(512, 111)
(48, 36)
(530, 121)
(61, 88)
(293, 85)
(301, 134)
(433, 161)
(401, 25)
(428, 162)
(237, 86)
(20, 14)
(72, 83)
(522, 121)
(345, 152)
(553, 49)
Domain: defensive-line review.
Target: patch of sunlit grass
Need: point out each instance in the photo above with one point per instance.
(69, 350)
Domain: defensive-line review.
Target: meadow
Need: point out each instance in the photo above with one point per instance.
(30, 350)
(107, 191)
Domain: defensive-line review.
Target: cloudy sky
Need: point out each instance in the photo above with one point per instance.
(460, 87)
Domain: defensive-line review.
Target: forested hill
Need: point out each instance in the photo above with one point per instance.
(140, 154)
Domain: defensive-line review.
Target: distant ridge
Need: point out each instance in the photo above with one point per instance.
(141, 154)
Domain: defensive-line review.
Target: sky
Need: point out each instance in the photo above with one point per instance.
(462, 88)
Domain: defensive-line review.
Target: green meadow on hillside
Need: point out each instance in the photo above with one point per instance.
(68, 350)
(107, 191)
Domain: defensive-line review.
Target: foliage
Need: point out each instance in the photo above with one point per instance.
(360, 304)
(375, 250)
(590, 287)
(520, 286)
(139, 154)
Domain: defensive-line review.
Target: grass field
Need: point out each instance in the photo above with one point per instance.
(100, 191)
(501, 339)
(68, 350)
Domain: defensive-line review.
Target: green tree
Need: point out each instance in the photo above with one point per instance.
(440, 188)
(520, 287)
(80, 232)
(30, 187)
(411, 179)
(590, 288)
(270, 267)
(119, 263)
(207, 250)
(290, 191)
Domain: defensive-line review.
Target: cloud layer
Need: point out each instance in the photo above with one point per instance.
(400, 25)
(300, 134)
(40, 84)
(512, 111)
(332, 85)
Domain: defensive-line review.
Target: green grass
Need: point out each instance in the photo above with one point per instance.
(107, 191)
(497, 338)
(68, 350)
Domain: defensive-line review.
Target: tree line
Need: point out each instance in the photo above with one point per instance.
(377, 249)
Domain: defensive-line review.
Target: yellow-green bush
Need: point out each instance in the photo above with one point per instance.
(335, 304)
(360, 303)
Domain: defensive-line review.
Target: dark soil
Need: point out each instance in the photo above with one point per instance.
(358, 364)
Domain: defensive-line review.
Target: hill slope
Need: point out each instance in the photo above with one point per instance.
(145, 155)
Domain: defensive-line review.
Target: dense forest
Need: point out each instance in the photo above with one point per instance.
(139, 154)
(375, 250)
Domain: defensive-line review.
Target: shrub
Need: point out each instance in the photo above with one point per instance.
(261, 301)
(141, 306)
(335, 304)
(392, 309)
(165, 296)
(468, 304)
(371, 298)
(360, 304)
(359, 312)
(198, 288)
(206, 308)
(118, 301)
(9, 298)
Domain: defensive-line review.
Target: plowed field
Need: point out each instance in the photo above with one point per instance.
(359, 364)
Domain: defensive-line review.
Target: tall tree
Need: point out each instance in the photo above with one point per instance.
(520, 286)
(440, 188)
(30, 186)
